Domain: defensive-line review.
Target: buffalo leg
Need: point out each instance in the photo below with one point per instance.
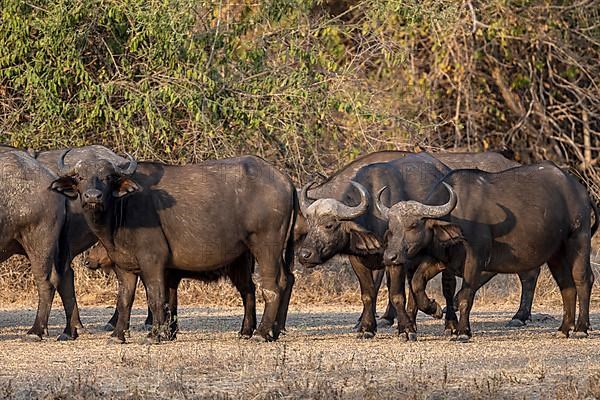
(396, 278)
(387, 319)
(127, 283)
(367, 327)
(286, 283)
(449, 288)
(578, 253)
(426, 271)
(45, 297)
(240, 274)
(563, 277)
(112, 322)
(154, 280)
(528, 282)
(173, 280)
(471, 279)
(270, 260)
(66, 290)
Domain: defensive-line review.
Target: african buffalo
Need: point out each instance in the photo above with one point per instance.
(503, 222)
(239, 273)
(411, 175)
(32, 223)
(195, 218)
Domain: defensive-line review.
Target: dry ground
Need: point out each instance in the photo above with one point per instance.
(319, 358)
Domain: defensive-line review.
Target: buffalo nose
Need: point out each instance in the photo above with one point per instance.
(92, 194)
(305, 254)
(390, 258)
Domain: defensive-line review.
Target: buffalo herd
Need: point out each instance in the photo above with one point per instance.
(400, 215)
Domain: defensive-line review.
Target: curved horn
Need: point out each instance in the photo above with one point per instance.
(427, 211)
(131, 167)
(305, 201)
(381, 208)
(346, 212)
(64, 170)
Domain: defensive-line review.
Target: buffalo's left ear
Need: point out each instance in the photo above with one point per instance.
(446, 233)
(125, 186)
(362, 241)
(65, 185)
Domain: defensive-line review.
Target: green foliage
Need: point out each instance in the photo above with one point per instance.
(305, 84)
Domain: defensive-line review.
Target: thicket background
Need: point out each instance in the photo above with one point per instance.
(308, 85)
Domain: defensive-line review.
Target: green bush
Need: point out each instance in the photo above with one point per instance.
(308, 85)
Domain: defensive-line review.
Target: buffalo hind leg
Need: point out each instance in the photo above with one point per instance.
(173, 280)
(367, 327)
(46, 290)
(286, 283)
(66, 290)
(127, 283)
(396, 276)
(564, 278)
(528, 282)
(240, 273)
(578, 253)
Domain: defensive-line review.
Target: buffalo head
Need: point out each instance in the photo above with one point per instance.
(330, 228)
(97, 258)
(96, 182)
(413, 226)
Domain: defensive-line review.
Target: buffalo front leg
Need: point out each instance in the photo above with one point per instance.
(449, 288)
(578, 253)
(387, 319)
(126, 294)
(426, 271)
(396, 277)
(528, 282)
(471, 279)
(367, 327)
(563, 277)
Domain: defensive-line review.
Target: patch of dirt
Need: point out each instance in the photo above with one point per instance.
(320, 357)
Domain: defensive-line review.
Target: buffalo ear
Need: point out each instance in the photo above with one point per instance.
(446, 233)
(65, 185)
(362, 241)
(125, 186)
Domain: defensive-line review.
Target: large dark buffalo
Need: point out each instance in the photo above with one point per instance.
(194, 218)
(410, 176)
(507, 222)
(32, 221)
(239, 273)
(75, 236)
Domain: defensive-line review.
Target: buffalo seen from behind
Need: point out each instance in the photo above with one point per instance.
(475, 222)
(203, 217)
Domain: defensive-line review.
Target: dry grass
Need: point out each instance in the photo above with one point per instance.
(319, 358)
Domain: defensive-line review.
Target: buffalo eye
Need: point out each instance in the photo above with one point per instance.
(330, 226)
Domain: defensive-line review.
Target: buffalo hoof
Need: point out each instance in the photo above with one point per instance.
(148, 327)
(115, 340)
(32, 337)
(515, 323)
(245, 336)
(366, 335)
(108, 327)
(412, 336)
(438, 314)
(561, 335)
(450, 332)
(463, 338)
(263, 338)
(579, 335)
(64, 337)
(385, 323)
(283, 332)
(151, 340)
